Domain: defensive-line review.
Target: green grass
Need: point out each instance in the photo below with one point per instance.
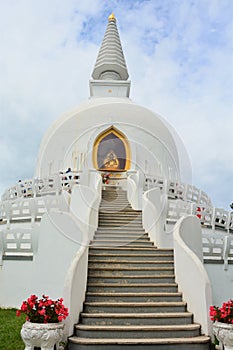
(10, 327)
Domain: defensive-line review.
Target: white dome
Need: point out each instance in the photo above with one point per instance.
(69, 141)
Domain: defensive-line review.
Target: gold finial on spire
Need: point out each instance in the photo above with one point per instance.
(112, 17)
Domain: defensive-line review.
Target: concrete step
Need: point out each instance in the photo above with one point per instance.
(113, 202)
(134, 307)
(166, 318)
(132, 279)
(132, 220)
(121, 221)
(134, 287)
(128, 250)
(127, 214)
(124, 238)
(132, 297)
(124, 220)
(114, 194)
(135, 331)
(109, 209)
(135, 235)
(131, 225)
(189, 343)
(114, 198)
(121, 243)
(130, 235)
(121, 230)
(124, 228)
(127, 239)
(102, 255)
(130, 271)
(115, 209)
(111, 190)
(137, 263)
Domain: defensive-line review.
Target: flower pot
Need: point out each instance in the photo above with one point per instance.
(43, 335)
(224, 333)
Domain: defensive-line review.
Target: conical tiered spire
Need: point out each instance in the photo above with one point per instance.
(110, 63)
(110, 73)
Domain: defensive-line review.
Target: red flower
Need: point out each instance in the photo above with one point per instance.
(222, 314)
(18, 313)
(43, 310)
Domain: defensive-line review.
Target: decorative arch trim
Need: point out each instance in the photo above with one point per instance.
(111, 151)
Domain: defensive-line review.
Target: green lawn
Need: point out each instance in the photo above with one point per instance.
(10, 327)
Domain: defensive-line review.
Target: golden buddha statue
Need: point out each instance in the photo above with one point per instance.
(111, 161)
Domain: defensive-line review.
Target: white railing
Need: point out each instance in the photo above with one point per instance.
(21, 241)
(218, 242)
(216, 223)
(218, 247)
(213, 218)
(31, 209)
(17, 242)
(177, 190)
(53, 184)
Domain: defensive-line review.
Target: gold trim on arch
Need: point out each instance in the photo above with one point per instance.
(122, 137)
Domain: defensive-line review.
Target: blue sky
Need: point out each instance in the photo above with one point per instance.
(179, 57)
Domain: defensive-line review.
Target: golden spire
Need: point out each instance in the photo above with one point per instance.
(112, 17)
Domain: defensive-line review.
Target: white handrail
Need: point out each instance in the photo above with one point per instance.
(210, 217)
(53, 184)
(177, 190)
(188, 257)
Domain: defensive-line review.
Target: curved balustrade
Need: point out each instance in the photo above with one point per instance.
(185, 199)
(42, 195)
(213, 218)
(39, 187)
(177, 190)
(30, 209)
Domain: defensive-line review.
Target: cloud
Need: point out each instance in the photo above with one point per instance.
(179, 60)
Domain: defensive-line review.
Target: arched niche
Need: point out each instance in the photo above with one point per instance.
(111, 151)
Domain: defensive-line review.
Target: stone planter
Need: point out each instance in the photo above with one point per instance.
(43, 335)
(224, 333)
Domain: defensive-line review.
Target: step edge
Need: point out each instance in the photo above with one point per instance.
(189, 340)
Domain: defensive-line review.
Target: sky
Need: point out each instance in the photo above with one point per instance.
(180, 61)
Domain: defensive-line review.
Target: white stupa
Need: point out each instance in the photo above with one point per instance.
(109, 143)
(109, 119)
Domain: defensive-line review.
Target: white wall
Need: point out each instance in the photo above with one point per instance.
(74, 134)
(59, 240)
(221, 281)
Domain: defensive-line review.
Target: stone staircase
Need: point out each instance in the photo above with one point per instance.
(132, 300)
